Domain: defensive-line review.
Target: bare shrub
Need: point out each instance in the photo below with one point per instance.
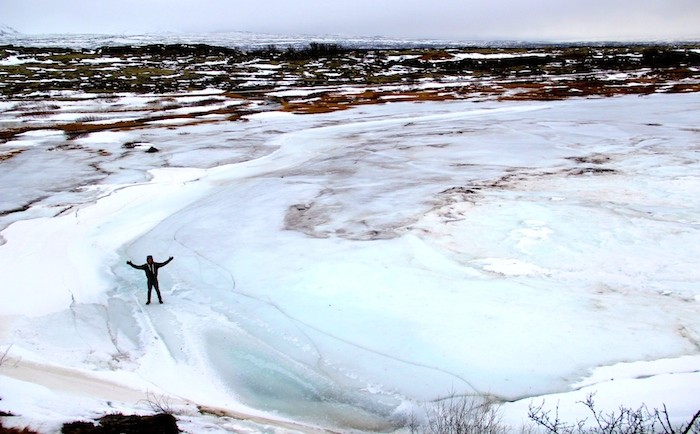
(465, 415)
(623, 421)
(159, 403)
(4, 355)
(482, 415)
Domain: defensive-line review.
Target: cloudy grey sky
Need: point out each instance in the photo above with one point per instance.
(445, 19)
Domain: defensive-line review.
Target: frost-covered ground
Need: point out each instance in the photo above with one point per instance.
(339, 270)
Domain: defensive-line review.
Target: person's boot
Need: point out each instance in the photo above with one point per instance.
(148, 302)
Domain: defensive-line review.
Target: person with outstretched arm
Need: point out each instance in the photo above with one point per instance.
(151, 268)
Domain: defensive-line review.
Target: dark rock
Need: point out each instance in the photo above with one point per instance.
(120, 424)
(79, 427)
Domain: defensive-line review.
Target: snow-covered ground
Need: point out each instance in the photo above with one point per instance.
(339, 270)
(242, 40)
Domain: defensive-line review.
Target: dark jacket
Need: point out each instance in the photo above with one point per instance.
(151, 269)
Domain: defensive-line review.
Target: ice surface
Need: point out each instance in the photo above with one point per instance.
(332, 268)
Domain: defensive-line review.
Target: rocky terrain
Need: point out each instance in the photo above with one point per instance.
(328, 77)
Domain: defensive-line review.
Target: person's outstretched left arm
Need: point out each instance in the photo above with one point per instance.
(163, 264)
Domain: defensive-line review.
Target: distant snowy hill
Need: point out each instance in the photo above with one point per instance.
(7, 30)
(241, 40)
(252, 41)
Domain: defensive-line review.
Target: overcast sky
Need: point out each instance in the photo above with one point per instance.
(445, 19)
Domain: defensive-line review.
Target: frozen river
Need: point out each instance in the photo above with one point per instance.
(341, 269)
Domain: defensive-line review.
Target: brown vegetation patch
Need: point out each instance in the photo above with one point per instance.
(80, 129)
(684, 87)
(86, 125)
(436, 55)
(591, 87)
(76, 130)
(334, 102)
(324, 104)
(414, 96)
(11, 133)
(7, 155)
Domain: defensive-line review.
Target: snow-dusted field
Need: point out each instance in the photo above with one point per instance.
(244, 40)
(339, 270)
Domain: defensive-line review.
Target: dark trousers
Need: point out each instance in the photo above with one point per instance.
(151, 285)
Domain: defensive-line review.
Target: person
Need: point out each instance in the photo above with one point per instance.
(151, 268)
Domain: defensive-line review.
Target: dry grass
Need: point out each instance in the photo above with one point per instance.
(334, 102)
(11, 133)
(8, 155)
(559, 91)
(436, 55)
(80, 129)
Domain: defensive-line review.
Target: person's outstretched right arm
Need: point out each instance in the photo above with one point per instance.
(138, 267)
